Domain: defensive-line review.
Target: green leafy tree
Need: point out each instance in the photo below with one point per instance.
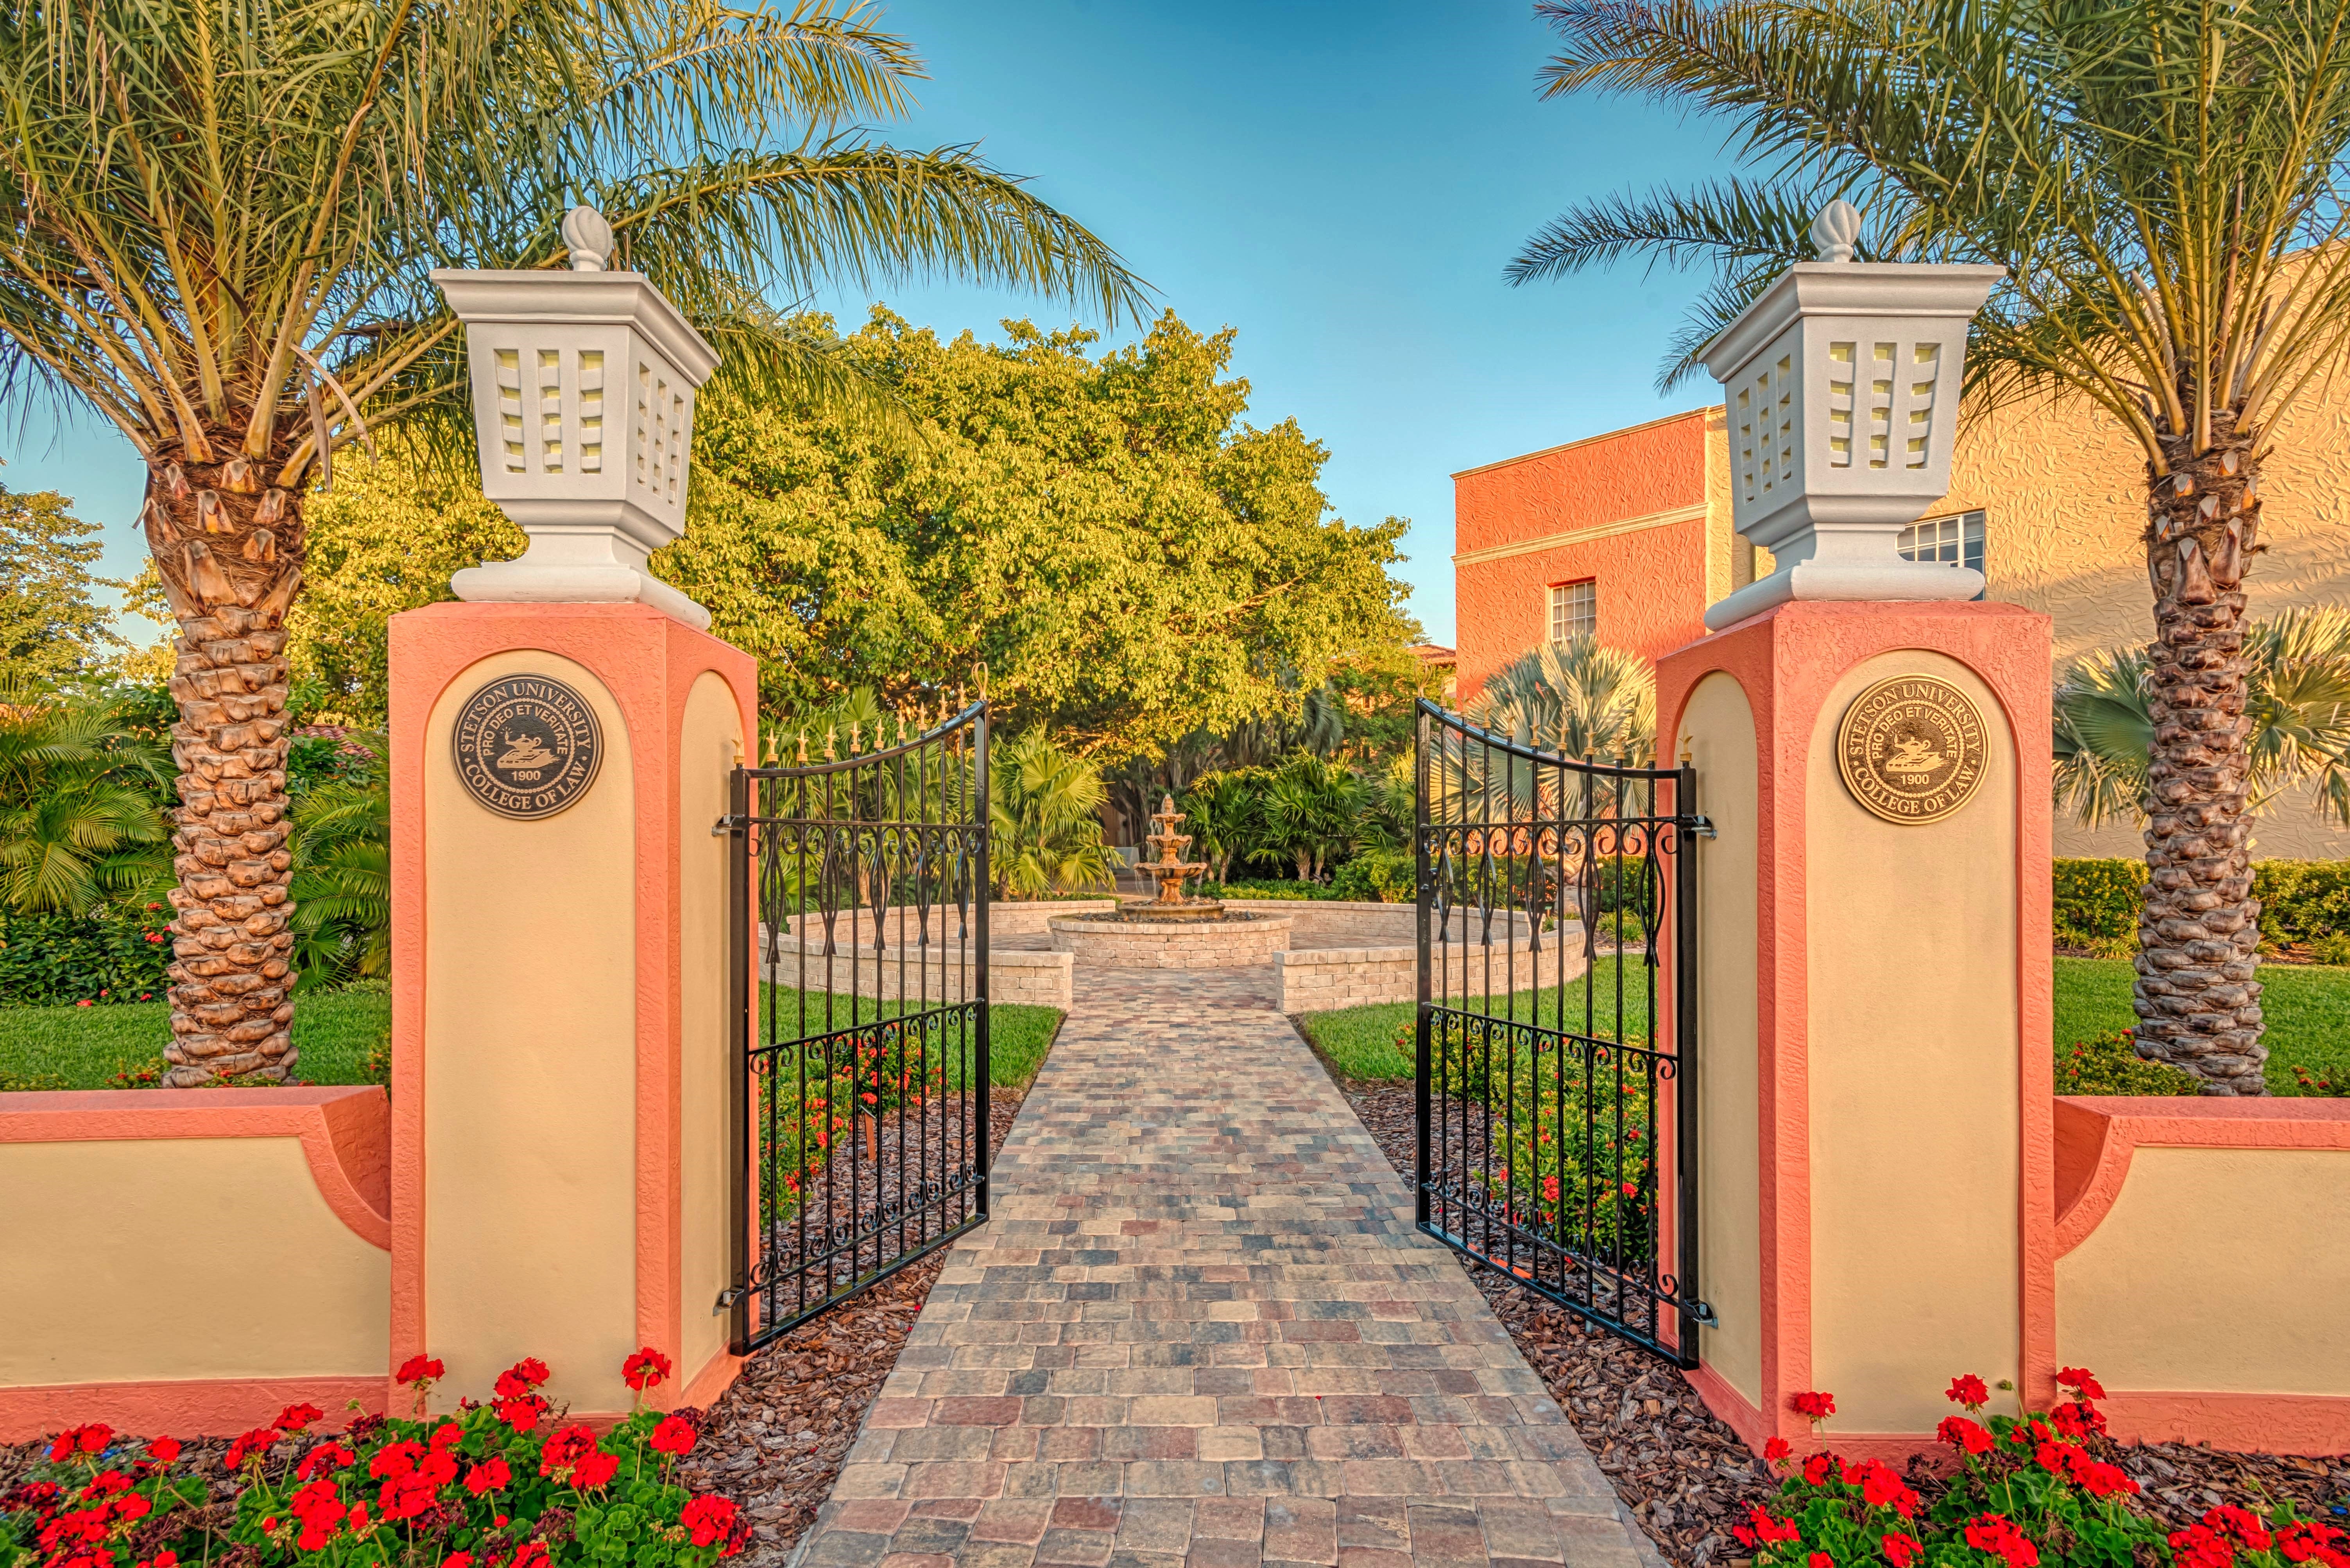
(1043, 810)
(2297, 702)
(2162, 181)
(79, 825)
(49, 626)
(1129, 556)
(223, 220)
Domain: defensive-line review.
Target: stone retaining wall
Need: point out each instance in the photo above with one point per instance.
(1318, 980)
(938, 972)
(1172, 944)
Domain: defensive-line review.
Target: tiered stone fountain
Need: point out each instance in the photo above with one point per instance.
(1171, 932)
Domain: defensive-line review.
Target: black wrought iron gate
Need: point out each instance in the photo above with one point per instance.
(1556, 1083)
(859, 1104)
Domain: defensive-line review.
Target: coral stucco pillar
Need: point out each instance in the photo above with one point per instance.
(1875, 1211)
(558, 1159)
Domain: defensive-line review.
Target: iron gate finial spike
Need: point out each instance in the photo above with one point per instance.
(802, 747)
(829, 754)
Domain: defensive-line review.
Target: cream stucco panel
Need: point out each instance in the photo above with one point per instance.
(530, 1070)
(1915, 1162)
(1718, 725)
(2221, 1271)
(164, 1259)
(708, 749)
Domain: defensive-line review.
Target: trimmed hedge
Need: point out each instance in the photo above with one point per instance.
(117, 956)
(2302, 902)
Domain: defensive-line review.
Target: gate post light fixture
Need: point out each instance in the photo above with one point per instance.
(1843, 383)
(584, 386)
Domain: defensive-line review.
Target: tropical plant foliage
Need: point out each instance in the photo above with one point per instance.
(2297, 680)
(1043, 810)
(342, 873)
(79, 825)
(2161, 182)
(1579, 698)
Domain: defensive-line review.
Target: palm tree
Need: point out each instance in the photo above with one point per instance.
(2297, 679)
(1578, 698)
(1311, 812)
(221, 220)
(2158, 180)
(79, 826)
(1044, 808)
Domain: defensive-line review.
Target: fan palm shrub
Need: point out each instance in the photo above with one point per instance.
(1043, 813)
(2297, 709)
(1225, 814)
(1580, 699)
(1311, 813)
(342, 874)
(222, 217)
(79, 820)
(2160, 181)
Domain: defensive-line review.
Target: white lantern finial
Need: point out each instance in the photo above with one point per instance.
(1835, 230)
(584, 387)
(1843, 383)
(589, 234)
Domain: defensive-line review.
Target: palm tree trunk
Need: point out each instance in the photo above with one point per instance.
(229, 551)
(2199, 938)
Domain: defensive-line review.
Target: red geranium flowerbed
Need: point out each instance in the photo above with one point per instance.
(505, 1484)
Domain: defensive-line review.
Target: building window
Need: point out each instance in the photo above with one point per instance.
(1574, 610)
(1954, 541)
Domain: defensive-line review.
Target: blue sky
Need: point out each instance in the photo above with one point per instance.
(1341, 183)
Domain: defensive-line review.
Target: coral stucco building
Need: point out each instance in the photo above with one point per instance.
(1625, 536)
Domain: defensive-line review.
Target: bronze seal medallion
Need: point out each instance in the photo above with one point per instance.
(1911, 749)
(527, 746)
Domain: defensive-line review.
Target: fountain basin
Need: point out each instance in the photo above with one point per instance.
(1134, 938)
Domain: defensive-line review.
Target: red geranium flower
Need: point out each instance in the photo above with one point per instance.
(2241, 1523)
(522, 1414)
(419, 1369)
(1961, 1433)
(648, 1368)
(595, 1469)
(2079, 1379)
(516, 1381)
(326, 1456)
(1996, 1534)
(408, 1495)
(252, 1444)
(2199, 1546)
(487, 1476)
(1821, 1560)
(709, 1520)
(1902, 1551)
(2306, 1539)
(673, 1436)
(294, 1418)
(1814, 1406)
(566, 1447)
(1970, 1391)
(1820, 1469)
(395, 1459)
(89, 1440)
(162, 1451)
(1880, 1487)
(1776, 1448)
(2099, 1479)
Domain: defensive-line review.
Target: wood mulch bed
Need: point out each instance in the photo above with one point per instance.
(774, 1442)
(1685, 1476)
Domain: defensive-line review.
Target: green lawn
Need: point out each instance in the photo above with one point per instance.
(2308, 1009)
(1018, 1034)
(1360, 1041)
(84, 1047)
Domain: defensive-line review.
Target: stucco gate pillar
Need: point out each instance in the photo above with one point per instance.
(561, 744)
(1875, 1132)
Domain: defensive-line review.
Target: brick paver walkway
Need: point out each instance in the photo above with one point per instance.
(1200, 1329)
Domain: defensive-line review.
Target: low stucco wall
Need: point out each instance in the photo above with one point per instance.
(192, 1260)
(2203, 1267)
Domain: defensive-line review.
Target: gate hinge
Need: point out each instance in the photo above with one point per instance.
(1700, 823)
(725, 825)
(1702, 1313)
(726, 1299)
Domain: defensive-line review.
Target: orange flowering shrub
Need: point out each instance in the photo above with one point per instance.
(2028, 1491)
(506, 1484)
